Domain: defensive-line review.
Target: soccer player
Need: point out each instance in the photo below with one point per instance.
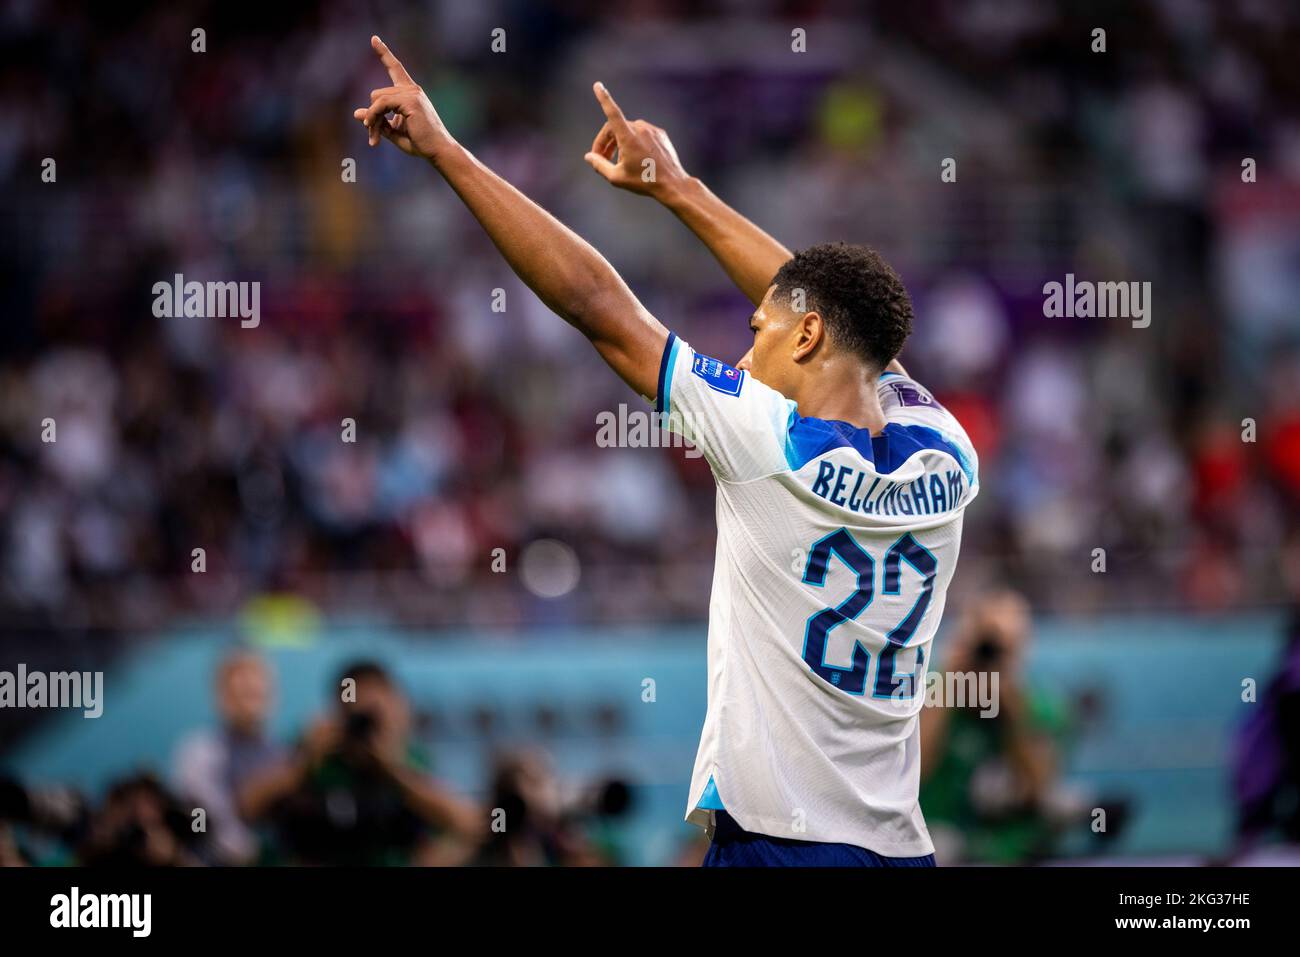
(840, 491)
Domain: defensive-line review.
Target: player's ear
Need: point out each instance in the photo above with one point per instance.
(809, 330)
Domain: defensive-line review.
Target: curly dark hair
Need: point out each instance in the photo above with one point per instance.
(865, 306)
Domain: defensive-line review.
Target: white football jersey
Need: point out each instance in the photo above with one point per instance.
(835, 550)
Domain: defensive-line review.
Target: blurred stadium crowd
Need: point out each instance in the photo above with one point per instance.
(358, 781)
(476, 428)
(356, 788)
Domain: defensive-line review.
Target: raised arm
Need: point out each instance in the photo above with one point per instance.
(639, 157)
(565, 272)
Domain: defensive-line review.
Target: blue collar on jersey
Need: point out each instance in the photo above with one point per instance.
(808, 438)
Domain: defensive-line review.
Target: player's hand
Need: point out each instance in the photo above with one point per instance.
(636, 155)
(415, 126)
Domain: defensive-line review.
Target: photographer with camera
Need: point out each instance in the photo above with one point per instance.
(140, 824)
(358, 789)
(544, 823)
(989, 781)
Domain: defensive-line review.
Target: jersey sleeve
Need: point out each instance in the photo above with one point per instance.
(907, 403)
(738, 423)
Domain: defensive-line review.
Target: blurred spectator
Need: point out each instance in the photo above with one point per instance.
(990, 788)
(531, 827)
(40, 826)
(140, 824)
(10, 855)
(1266, 752)
(212, 766)
(359, 791)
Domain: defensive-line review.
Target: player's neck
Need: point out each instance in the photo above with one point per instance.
(845, 395)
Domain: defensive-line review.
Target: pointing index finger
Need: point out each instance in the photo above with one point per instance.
(396, 72)
(612, 113)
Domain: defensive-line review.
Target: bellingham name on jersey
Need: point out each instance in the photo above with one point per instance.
(842, 485)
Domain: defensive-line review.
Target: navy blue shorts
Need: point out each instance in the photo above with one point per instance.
(733, 846)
